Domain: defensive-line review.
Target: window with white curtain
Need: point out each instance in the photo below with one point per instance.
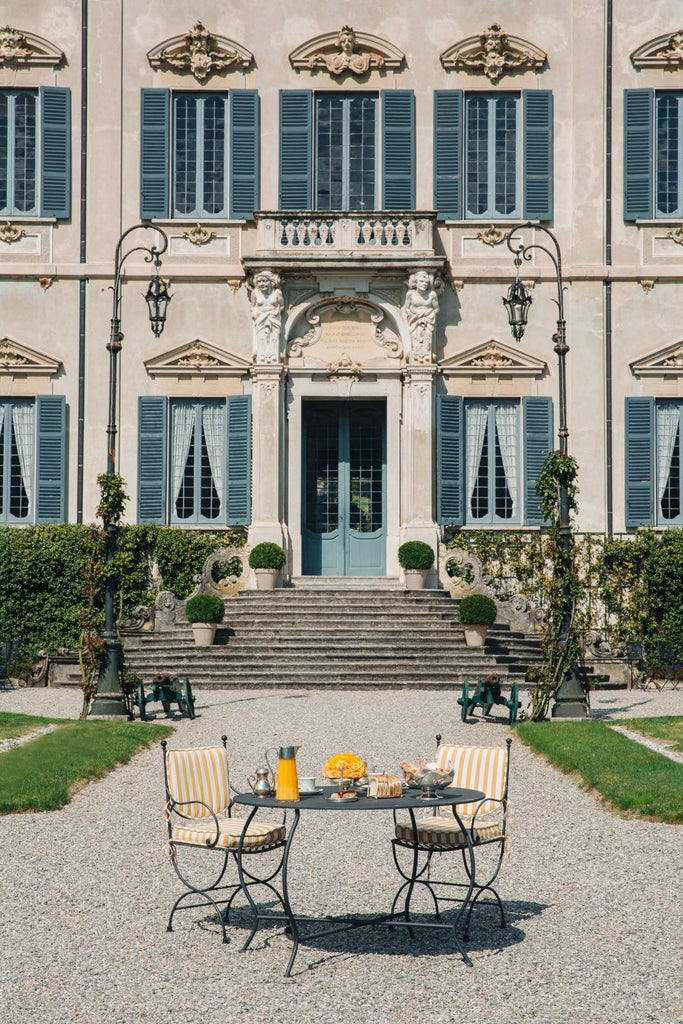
(198, 452)
(492, 461)
(17, 460)
(669, 463)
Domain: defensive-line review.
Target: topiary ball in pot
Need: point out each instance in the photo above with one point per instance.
(204, 608)
(267, 555)
(415, 554)
(477, 610)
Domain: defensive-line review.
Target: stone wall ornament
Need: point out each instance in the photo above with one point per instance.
(199, 235)
(491, 235)
(421, 309)
(24, 48)
(647, 284)
(267, 304)
(10, 233)
(346, 52)
(201, 53)
(676, 235)
(493, 53)
(664, 51)
(665, 363)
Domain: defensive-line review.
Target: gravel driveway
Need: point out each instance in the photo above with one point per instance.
(594, 900)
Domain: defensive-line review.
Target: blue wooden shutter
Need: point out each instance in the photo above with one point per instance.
(239, 460)
(296, 146)
(152, 458)
(154, 153)
(51, 459)
(538, 442)
(448, 105)
(638, 153)
(640, 462)
(398, 149)
(244, 153)
(55, 134)
(450, 460)
(538, 154)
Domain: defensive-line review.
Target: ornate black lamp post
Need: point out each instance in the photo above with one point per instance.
(570, 700)
(109, 698)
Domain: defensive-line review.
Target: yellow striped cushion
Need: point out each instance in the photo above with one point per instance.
(481, 768)
(444, 832)
(259, 837)
(199, 774)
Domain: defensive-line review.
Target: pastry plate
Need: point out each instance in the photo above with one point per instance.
(310, 792)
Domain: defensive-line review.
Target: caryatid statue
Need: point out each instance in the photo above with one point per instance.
(421, 309)
(267, 303)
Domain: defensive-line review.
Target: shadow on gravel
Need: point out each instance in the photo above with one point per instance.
(486, 935)
(619, 709)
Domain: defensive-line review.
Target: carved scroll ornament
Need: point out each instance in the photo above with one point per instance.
(494, 54)
(24, 48)
(663, 52)
(201, 53)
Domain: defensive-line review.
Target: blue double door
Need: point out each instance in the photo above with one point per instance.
(344, 489)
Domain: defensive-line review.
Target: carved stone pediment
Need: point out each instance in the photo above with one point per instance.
(18, 360)
(493, 53)
(18, 48)
(665, 362)
(197, 358)
(200, 53)
(346, 52)
(663, 52)
(345, 332)
(493, 358)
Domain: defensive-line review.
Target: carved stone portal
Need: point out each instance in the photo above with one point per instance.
(493, 53)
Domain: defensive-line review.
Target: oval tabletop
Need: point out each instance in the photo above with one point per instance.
(320, 801)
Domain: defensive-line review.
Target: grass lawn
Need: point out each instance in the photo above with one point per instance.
(669, 729)
(628, 776)
(12, 726)
(43, 773)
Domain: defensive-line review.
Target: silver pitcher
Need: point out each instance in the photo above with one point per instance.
(262, 782)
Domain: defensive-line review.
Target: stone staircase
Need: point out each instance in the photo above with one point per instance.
(305, 637)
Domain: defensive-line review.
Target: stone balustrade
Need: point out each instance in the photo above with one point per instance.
(321, 234)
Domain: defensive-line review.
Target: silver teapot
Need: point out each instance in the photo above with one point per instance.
(262, 782)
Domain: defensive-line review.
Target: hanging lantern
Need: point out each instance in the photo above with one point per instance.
(517, 304)
(157, 299)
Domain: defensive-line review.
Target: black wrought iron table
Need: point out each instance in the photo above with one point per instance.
(411, 801)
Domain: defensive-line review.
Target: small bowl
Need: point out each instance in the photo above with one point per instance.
(428, 777)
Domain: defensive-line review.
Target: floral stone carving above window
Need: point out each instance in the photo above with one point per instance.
(346, 51)
(494, 53)
(24, 48)
(201, 53)
(663, 52)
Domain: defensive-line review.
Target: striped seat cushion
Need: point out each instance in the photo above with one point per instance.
(444, 833)
(201, 831)
(198, 774)
(483, 768)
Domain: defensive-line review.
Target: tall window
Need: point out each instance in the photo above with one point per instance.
(18, 152)
(669, 463)
(669, 154)
(17, 460)
(492, 454)
(492, 155)
(199, 155)
(346, 152)
(198, 439)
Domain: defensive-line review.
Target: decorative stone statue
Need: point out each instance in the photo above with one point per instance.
(421, 309)
(267, 303)
(347, 59)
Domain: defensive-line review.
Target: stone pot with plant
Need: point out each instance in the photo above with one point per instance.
(267, 559)
(476, 613)
(416, 558)
(204, 612)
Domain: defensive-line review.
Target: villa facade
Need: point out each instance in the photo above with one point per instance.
(333, 186)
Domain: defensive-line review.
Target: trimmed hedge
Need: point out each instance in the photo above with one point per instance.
(44, 572)
(205, 608)
(267, 555)
(415, 554)
(477, 610)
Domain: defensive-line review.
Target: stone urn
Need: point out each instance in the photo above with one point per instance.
(416, 579)
(266, 579)
(475, 635)
(204, 633)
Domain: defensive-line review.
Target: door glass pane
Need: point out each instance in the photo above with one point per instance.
(477, 135)
(365, 476)
(25, 153)
(184, 503)
(4, 150)
(492, 141)
(322, 472)
(506, 155)
(214, 155)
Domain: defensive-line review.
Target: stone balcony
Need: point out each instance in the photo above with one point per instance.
(316, 239)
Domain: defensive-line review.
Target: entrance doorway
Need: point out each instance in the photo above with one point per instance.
(344, 489)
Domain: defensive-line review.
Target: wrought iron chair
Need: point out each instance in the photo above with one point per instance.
(486, 769)
(198, 815)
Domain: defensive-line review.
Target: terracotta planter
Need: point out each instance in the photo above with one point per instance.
(266, 579)
(415, 578)
(475, 636)
(204, 633)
